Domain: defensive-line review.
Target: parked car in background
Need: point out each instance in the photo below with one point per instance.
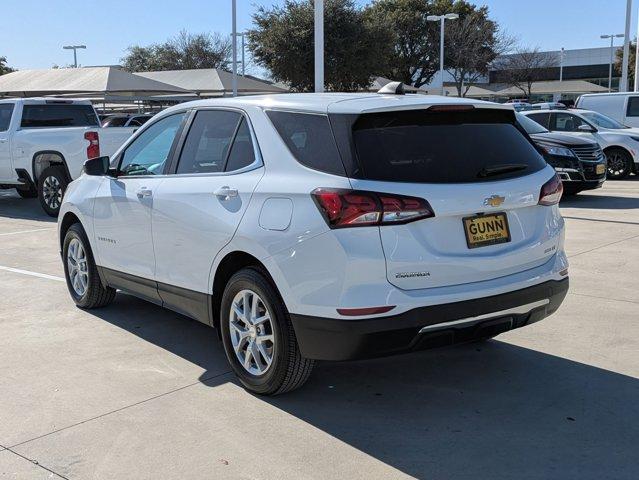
(548, 106)
(124, 120)
(579, 162)
(620, 146)
(323, 227)
(622, 106)
(44, 143)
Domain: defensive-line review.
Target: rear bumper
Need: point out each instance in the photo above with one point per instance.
(426, 327)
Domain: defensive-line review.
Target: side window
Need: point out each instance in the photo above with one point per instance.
(541, 119)
(633, 107)
(6, 109)
(242, 152)
(149, 152)
(310, 139)
(207, 145)
(565, 122)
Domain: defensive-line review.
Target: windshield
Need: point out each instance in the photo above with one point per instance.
(603, 121)
(529, 125)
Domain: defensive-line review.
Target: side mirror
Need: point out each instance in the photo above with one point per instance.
(97, 166)
(586, 128)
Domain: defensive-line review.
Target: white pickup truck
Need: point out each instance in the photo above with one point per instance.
(44, 143)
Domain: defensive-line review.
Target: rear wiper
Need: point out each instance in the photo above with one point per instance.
(492, 170)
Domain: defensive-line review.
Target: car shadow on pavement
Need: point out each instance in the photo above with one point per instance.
(600, 202)
(12, 206)
(490, 410)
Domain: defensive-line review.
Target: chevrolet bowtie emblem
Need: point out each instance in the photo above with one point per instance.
(494, 201)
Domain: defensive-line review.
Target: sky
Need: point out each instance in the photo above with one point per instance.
(33, 31)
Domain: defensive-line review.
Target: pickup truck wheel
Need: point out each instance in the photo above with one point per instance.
(27, 192)
(81, 273)
(619, 163)
(51, 186)
(258, 336)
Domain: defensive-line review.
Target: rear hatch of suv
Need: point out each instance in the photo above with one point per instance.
(481, 178)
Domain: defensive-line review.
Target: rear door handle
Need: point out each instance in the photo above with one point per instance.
(226, 192)
(144, 193)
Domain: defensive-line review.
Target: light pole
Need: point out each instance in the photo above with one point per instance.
(636, 89)
(442, 19)
(612, 37)
(561, 64)
(319, 45)
(623, 87)
(75, 48)
(234, 41)
(241, 35)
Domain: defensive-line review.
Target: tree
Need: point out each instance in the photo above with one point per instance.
(631, 62)
(472, 43)
(3, 66)
(415, 56)
(526, 66)
(183, 52)
(354, 49)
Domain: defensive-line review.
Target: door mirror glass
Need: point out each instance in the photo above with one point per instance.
(97, 166)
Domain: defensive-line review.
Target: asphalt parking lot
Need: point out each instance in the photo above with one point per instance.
(134, 391)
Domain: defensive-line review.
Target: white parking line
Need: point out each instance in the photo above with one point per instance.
(26, 231)
(33, 274)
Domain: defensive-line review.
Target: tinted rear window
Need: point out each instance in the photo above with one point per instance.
(58, 115)
(310, 140)
(443, 147)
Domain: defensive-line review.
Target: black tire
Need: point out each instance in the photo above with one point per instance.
(288, 370)
(96, 295)
(52, 184)
(30, 192)
(620, 163)
(570, 190)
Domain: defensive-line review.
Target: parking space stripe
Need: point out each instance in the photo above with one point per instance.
(27, 231)
(33, 274)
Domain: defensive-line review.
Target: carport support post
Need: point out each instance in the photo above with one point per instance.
(636, 89)
(319, 46)
(234, 37)
(623, 87)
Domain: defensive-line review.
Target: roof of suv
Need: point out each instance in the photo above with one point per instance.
(353, 103)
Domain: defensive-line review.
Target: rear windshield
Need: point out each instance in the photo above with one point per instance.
(115, 122)
(58, 115)
(442, 147)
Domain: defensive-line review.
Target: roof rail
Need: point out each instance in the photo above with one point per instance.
(394, 88)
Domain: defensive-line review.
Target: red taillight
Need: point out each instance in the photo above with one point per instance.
(93, 150)
(355, 208)
(551, 191)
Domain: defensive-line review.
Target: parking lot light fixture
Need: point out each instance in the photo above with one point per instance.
(75, 52)
(442, 18)
(612, 37)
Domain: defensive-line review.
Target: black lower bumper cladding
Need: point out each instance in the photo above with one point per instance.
(335, 339)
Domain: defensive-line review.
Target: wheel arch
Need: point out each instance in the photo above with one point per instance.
(633, 165)
(231, 263)
(68, 219)
(45, 158)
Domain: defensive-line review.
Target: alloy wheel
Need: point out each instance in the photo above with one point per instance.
(251, 331)
(52, 192)
(616, 164)
(78, 267)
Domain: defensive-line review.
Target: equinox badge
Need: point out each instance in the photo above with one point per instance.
(494, 200)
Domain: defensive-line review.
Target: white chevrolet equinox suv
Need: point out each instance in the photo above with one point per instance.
(323, 226)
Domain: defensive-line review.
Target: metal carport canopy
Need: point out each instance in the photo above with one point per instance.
(87, 82)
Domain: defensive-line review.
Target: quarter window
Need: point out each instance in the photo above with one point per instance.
(149, 152)
(6, 109)
(310, 139)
